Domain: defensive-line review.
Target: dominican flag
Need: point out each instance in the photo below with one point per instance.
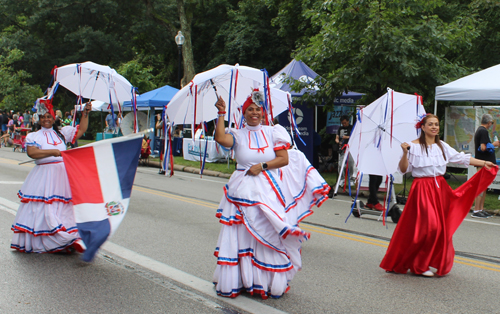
(101, 176)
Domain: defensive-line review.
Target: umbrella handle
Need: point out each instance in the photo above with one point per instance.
(215, 88)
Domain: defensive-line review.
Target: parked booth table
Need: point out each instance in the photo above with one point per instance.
(195, 149)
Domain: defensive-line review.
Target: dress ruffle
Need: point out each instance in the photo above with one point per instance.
(45, 221)
(419, 158)
(305, 187)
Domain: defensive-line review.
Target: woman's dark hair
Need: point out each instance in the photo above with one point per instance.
(421, 139)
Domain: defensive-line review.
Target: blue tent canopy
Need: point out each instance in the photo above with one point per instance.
(156, 98)
(298, 70)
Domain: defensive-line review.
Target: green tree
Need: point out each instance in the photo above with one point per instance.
(250, 37)
(485, 48)
(15, 92)
(138, 75)
(162, 11)
(369, 45)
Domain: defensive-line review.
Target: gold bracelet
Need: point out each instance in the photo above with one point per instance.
(484, 163)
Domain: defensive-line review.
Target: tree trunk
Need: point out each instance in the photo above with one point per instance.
(187, 48)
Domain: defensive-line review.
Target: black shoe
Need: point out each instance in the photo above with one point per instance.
(480, 214)
(488, 215)
(161, 172)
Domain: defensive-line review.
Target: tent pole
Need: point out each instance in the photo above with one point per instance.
(315, 118)
(435, 106)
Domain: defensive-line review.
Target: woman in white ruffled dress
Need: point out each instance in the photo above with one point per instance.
(259, 246)
(45, 221)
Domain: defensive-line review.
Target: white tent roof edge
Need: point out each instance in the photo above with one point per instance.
(482, 86)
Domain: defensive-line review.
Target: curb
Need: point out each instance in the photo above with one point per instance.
(156, 164)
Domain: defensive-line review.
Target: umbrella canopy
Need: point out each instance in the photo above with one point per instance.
(98, 105)
(94, 81)
(195, 103)
(381, 127)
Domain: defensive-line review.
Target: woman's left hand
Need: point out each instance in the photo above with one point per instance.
(87, 109)
(488, 165)
(254, 170)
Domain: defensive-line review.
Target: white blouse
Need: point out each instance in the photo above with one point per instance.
(432, 163)
(255, 144)
(48, 139)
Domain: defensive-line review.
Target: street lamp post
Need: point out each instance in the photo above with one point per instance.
(179, 40)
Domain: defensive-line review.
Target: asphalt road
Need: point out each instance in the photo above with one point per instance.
(161, 260)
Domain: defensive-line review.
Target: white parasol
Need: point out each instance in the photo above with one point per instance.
(380, 129)
(195, 103)
(94, 81)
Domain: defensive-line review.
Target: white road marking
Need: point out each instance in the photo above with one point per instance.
(10, 211)
(242, 302)
(9, 206)
(11, 182)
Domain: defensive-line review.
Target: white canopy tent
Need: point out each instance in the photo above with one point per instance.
(482, 86)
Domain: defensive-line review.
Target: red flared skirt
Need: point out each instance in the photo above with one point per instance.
(432, 214)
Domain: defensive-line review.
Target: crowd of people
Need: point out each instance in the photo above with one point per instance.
(12, 122)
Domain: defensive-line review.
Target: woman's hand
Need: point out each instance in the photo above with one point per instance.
(406, 147)
(254, 170)
(488, 165)
(220, 104)
(87, 109)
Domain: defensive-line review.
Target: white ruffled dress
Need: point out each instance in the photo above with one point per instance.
(45, 221)
(259, 245)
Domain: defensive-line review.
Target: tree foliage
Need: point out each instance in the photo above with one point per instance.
(15, 92)
(369, 45)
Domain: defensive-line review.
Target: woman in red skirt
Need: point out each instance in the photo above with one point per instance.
(433, 211)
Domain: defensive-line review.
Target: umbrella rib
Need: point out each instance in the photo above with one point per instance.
(382, 129)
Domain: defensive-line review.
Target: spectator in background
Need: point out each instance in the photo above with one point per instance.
(34, 122)
(20, 118)
(67, 119)
(484, 150)
(59, 118)
(119, 120)
(1, 123)
(27, 118)
(342, 138)
(111, 122)
(373, 185)
(15, 122)
(7, 139)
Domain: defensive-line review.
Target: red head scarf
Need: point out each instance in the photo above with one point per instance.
(250, 101)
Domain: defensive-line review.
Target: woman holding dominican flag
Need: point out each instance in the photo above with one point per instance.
(45, 221)
(433, 212)
(259, 246)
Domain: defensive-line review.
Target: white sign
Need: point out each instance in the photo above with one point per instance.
(195, 150)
